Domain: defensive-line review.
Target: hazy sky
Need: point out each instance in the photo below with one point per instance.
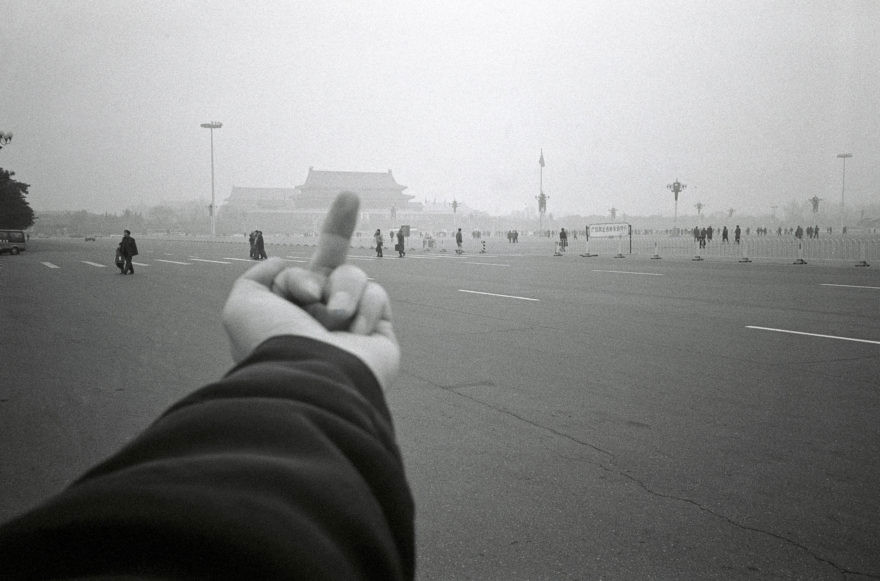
(746, 102)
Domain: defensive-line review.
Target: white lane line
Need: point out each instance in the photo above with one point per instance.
(461, 290)
(628, 272)
(139, 263)
(814, 335)
(206, 260)
(850, 286)
(94, 264)
(50, 265)
(174, 262)
(239, 259)
(486, 263)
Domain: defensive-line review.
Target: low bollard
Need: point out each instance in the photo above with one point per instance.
(586, 253)
(744, 253)
(800, 258)
(656, 252)
(619, 248)
(863, 255)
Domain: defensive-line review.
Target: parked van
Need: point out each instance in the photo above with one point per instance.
(13, 241)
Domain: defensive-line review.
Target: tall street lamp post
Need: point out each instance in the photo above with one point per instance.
(5, 138)
(212, 126)
(541, 197)
(843, 156)
(676, 187)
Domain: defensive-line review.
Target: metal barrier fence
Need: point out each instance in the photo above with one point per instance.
(838, 249)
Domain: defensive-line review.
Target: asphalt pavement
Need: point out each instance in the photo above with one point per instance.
(561, 417)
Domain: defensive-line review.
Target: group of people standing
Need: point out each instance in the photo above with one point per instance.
(400, 246)
(258, 247)
(703, 236)
(812, 232)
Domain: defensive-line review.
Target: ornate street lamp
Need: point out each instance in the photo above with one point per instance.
(676, 187)
(541, 197)
(5, 138)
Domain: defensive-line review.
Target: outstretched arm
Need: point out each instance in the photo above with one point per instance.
(285, 468)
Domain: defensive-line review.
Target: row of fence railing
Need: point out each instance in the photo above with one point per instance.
(844, 249)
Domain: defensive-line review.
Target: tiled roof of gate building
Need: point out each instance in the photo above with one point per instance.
(353, 180)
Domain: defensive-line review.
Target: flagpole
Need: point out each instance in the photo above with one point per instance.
(542, 201)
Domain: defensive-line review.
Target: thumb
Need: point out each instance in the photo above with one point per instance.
(335, 237)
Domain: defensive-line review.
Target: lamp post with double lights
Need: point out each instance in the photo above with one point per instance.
(5, 138)
(212, 126)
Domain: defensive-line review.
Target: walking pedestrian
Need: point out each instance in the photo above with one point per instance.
(458, 241)
(563, 239)
(377, 238)
(401, 245)
(260, 246)
(736, 234)
(128, 248)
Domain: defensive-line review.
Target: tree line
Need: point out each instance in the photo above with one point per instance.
(187, 218)
(15, 211)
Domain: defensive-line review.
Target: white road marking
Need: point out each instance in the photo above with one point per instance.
(139, 263)
(486, 263)
(461, 290)
(850, 286)
(814, 335)
(239, 259)
(174, 262)
(94, 264)
(206, 260)
(50, 265)
(628, 272)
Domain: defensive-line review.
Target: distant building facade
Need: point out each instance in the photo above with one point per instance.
(377, 190)
(302, 208)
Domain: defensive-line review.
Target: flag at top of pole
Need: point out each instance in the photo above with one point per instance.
(541, 160)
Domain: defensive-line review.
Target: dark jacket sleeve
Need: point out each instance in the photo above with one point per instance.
(286, 468)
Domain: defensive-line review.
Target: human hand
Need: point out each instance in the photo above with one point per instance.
(330, 301)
